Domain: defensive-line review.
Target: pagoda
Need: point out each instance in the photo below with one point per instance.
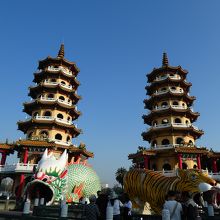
(171, 133)
(50, 122)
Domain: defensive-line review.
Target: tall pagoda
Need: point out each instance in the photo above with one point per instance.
(171, 133)
(50, 122)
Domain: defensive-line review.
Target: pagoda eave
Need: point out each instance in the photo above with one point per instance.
(35, 91)
(58, 61)
(51, 145)
(25, 125)
(165, 69)
(147, 136)
(149, 102)
(38, 105)
(151, 88)
(170, 111)
(38, 77)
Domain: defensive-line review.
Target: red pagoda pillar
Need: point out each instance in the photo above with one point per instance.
(198, 161)
(21, 183)
(4, 156)
(214, 165)
(180, 161)
(146, 160)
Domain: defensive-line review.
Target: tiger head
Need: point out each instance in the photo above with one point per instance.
(194, 181)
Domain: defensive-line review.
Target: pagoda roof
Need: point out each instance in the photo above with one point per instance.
(36, 90)
(29, 107)
(166, 68)
(158, 84)
(26, 125)
(155, 98)
(154, 114)
(8, 147)
(51, 144)
(154, 152)
(44, 74)
(59, 60)
(191, 150)
(192, 130)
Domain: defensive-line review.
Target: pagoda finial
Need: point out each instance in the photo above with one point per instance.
(165, 60)
(61, 51)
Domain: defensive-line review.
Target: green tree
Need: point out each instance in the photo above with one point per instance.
(119, 175)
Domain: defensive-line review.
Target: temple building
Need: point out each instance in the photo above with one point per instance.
(50, 122)
(172, 134)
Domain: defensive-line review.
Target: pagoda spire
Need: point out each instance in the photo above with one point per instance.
(165, 61)
(61, 51)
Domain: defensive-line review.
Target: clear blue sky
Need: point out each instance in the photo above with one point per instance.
(115, 44)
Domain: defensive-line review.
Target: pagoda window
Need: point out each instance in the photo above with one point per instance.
(164, 89)
(44, 134)
(179, 140)
(60, 116)
(36, 114)
(154, 123)
(166, 166)
(175, 103)
(61, 98)
(165, 142)
(171, 74)
(58, 137)
(156, 107)
(62, 82)
(30, 135)
(165, 121)
(50, 96)
(68, 118)
(177, 120)
(184, 166)
(47, 113)
(53, 80)
(173, 88)
(191, 143)
(164, 104)
(154, 143)
(68, 138)
(187, 122)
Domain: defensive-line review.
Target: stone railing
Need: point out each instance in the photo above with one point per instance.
(17, 168)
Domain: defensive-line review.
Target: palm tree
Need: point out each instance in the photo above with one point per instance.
(119, 175)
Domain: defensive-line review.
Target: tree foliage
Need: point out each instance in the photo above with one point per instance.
(119, 175)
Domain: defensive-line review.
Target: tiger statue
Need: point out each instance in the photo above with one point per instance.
(147, 186)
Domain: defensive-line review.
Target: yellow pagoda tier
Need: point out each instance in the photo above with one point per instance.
(170, 115)
(171, 133)
(53, 109)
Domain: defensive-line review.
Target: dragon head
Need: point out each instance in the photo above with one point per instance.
(50, 178)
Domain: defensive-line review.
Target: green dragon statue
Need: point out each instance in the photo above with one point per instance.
(54, 180)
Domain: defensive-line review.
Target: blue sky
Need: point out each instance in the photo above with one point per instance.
(115, 44)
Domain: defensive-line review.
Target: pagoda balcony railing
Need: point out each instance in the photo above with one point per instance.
(18, 168)
(181, 125)
(66, 143)
(46, 82)
(169, 90)
(50, 118)
(57, 69)
(165, 77)
(66, 86)
(168, 106)
(47, 99)
(55, 99)
(64, 102)
(167, 146)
